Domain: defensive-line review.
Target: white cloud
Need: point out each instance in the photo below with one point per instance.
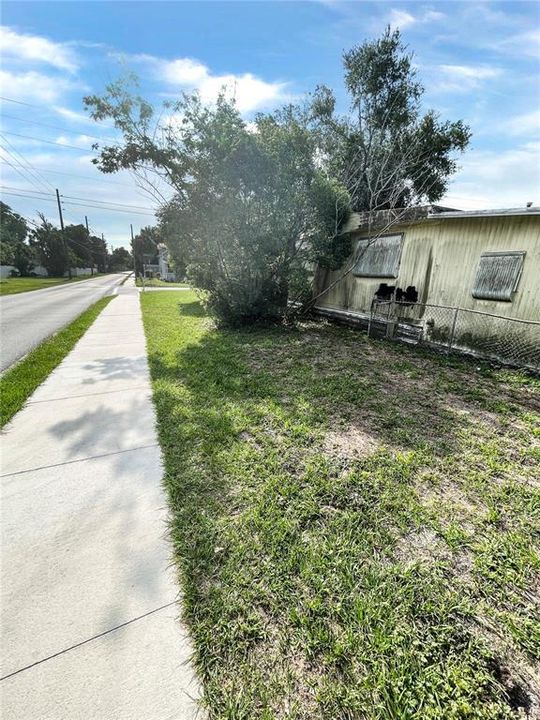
(72, 115)
(433, 16)
(462, 78)
(401, 19)
(495, 179)
(185, 71)
(250, 92)
(468, 72)
(82, 141)
(37, 49)
(31, 86)
(527, 124)
(525, 43)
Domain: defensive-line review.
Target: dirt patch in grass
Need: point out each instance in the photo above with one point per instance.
(349, 442)
(421, 546)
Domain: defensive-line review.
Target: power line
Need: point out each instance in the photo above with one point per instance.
(18, 102)
(51, 142)
(54, 127)
(110, 202)
(40, 192)
(67, 198)
(17, 170)
(65, 145)
(29, 196)
(28, 163)
(86, 177)
(25, 165)
(92, 233)
(71, 241)
(106, 209)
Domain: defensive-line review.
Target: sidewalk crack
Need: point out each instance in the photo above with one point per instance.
(88, 640)
(77, 460)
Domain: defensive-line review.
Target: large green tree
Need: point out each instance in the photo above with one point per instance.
(120, 259)
(250, 210)
(78, 242)
(23, 258)
(387, 151)
(51, 247)
(14, 248)
(99, 254)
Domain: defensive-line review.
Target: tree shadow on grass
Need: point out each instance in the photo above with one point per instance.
(192, 309)
(307, 377)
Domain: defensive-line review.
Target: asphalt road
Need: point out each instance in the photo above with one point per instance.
(26, 319)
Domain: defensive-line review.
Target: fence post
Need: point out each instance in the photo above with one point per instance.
(453, 330)
(391, 323)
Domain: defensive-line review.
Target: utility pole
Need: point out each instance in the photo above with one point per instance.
(63, 233)
(133, 251)
(60, 210)
(89, 247)
(104, 253)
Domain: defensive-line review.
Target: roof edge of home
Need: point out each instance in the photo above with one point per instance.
(410, 216)
(502, 212)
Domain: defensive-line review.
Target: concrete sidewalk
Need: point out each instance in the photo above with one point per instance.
(88, 598)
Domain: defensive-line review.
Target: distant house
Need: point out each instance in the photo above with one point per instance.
(485, 262)
(157, 265)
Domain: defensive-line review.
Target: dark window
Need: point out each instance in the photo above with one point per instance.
(379, 257)
(497, 276)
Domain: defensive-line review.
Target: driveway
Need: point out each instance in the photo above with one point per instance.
(28, 318)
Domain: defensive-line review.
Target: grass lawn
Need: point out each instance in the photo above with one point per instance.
(11, 286)
(17, 384)
(356, 523)
(156, 282)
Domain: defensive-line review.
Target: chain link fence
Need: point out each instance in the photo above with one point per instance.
(484, 335)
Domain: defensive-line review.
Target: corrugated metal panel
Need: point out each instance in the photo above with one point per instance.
(379, 257)
(498, 275)
(455, 246)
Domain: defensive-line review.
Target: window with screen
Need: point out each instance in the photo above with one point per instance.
(379, 257)
(497, 276)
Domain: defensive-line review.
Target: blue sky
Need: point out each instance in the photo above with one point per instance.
(479, 61)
